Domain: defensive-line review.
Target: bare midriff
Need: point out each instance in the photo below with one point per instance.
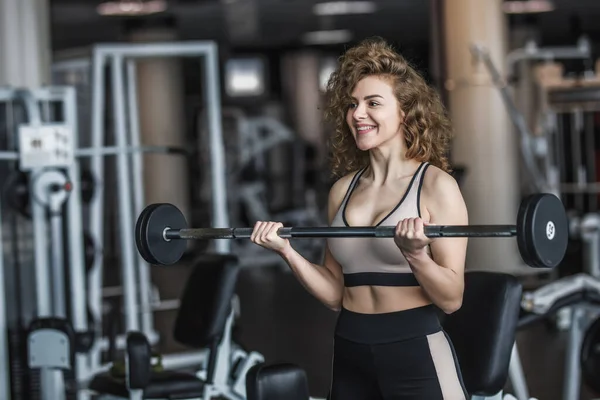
(383, 299)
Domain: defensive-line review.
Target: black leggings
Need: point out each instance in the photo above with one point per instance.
(401, 355)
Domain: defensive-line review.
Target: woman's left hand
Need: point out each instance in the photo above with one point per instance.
(410, 236)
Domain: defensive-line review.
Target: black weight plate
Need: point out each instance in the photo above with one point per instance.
(140, 234)
(546, 231)
(590, 357)
(528, 237)
(164, 252)
(524, 209)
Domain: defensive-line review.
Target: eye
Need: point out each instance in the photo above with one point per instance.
(352, 105)
(373, 103)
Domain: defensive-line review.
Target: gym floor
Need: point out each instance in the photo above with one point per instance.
(284, 323)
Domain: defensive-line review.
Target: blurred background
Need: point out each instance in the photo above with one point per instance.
(215, 106)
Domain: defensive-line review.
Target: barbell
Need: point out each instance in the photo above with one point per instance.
(542, 232)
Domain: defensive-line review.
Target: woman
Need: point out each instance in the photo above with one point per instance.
(389, 147)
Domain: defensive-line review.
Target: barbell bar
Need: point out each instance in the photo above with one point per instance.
(542, 232)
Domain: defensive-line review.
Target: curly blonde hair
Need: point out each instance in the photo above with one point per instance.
(427, 128)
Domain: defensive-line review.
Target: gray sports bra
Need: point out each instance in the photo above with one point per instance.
(377, 261)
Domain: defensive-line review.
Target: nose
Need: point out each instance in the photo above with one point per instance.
(360, 112)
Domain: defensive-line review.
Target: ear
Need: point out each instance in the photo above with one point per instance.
(402, 116)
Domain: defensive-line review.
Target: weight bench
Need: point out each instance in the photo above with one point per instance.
(276, 382)
(204, 321)
(483, 332)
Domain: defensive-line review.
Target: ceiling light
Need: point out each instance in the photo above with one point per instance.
(327, 37)
(245, 77)
(527, 7)
(131, 7)
(344, 8)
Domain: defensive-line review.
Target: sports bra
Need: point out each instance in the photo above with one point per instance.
(377, 261)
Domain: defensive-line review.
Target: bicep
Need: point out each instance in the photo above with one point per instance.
(332, 265)
(447, 207)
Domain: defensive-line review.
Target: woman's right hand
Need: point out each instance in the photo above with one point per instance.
(265, 235)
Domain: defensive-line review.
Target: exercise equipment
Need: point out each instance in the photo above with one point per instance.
(541, 230)
(118, 367)
(42, 152)
(277, 381)
(540, 154)
(577, 295)
(570, 304)
(204, 322)
(590, 356)
(17, 187)
(117, 148)
(51, 343)
(261, 152)
(491, 303)
(119, 145)
(16, 193)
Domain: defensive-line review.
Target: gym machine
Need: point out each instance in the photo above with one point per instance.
(204, 320)
(575, 302)
(570, 110)
(247, 143)
(120, 59)
(58, 333)
(537, 152)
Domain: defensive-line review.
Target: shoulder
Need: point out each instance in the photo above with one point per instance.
(338, 191)
(441, 192)
(438, 182)
(340, 186)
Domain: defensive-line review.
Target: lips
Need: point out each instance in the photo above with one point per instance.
(364, 129)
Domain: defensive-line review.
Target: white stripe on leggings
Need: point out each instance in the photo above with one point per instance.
(445, 366)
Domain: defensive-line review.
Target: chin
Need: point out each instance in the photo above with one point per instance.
(365, 148)
(365, 145)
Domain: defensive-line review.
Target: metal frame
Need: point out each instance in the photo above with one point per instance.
(45, 273)
(5, 95)
(76, 268)
(539, 178)
(119, 58)
(580, 316)
(47, 304)
(130, 198)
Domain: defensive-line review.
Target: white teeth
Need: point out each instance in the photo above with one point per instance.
(364, 128)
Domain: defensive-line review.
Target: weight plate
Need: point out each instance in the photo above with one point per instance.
(529, 237)
(163, 252)
(546, 231)
(524, 209)
(140, 233)
(590, 357)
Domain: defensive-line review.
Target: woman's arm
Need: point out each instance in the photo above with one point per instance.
(441, 275)
(324, 282)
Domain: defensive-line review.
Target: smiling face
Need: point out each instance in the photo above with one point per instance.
(374, 114)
